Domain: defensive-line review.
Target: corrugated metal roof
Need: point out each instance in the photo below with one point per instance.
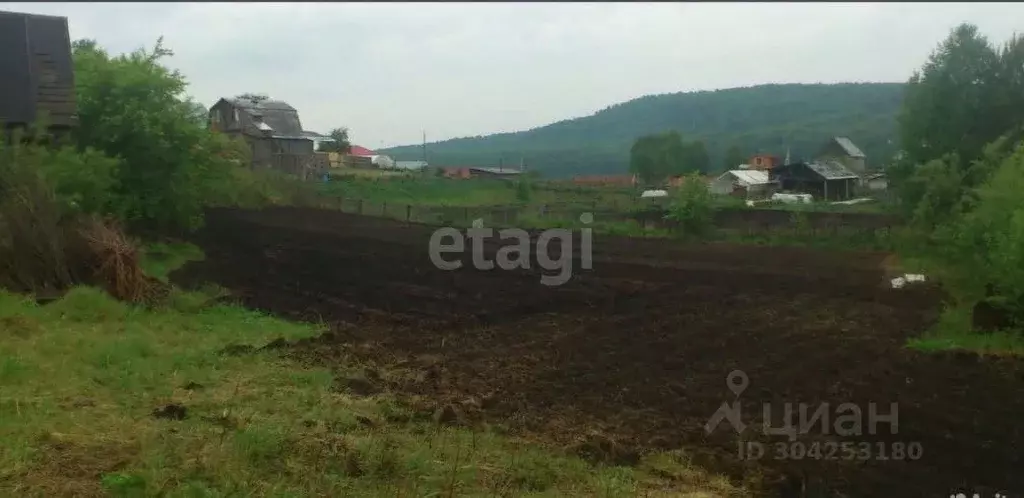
(750, 176)
(831, 170)
(849, 147)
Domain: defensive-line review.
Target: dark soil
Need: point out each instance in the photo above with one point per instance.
(635, 352)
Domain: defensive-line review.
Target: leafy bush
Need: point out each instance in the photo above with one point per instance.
(32, 242)
(133, 108)
(523, 191)
(692, 207)
(984, 248)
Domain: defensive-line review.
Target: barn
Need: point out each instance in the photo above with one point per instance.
(271, 128)
(827, 180)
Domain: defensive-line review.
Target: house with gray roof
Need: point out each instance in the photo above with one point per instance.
(271, 128)
(843, 150)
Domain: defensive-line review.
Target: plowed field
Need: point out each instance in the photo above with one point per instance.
(635, 351)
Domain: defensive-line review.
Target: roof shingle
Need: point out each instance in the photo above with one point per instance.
(282, 118)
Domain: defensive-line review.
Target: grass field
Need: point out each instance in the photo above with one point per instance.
(104, 399)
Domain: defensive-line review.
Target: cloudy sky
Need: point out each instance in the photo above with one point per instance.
(390, 71)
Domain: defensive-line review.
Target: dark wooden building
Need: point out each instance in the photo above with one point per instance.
(845, 152)
(36, 72)
(825, 180)
(273, 131)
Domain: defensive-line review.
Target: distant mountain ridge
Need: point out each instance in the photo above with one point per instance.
(758, 119)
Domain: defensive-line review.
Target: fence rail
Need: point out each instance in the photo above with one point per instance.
(731, 221)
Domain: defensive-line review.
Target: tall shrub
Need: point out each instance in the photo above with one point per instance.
(134, 108)
(984, 248)
(692, 208)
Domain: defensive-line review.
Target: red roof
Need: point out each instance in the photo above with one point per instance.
(356, 150)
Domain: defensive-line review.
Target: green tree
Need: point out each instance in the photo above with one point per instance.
(946, 108)
(341, 142)
(133, 108)
(965, 97)
(655, 157)
(692, 208)
(733, 157)
(695, 159)
(985, 246)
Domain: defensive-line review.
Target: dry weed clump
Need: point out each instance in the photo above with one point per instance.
(46, 248)
(114, 262)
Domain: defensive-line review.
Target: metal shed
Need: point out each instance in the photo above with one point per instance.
(36, 71)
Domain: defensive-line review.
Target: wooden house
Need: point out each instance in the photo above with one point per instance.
(273, 131)
(36, 72)
(844, 151)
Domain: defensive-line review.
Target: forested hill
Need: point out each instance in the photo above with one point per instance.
(765, 118)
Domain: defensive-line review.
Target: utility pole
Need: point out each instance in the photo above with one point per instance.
(424, 145)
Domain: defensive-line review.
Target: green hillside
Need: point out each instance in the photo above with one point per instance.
(765, 118)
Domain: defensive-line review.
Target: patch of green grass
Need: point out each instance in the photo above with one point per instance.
(954, 331)
(160, 259)
(80, 378)
(840, 240)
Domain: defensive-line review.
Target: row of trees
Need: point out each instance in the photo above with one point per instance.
(656, 157)
(960, 176)
(799, 117)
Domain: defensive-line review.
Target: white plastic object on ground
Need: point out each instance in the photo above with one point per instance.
(899, 282)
